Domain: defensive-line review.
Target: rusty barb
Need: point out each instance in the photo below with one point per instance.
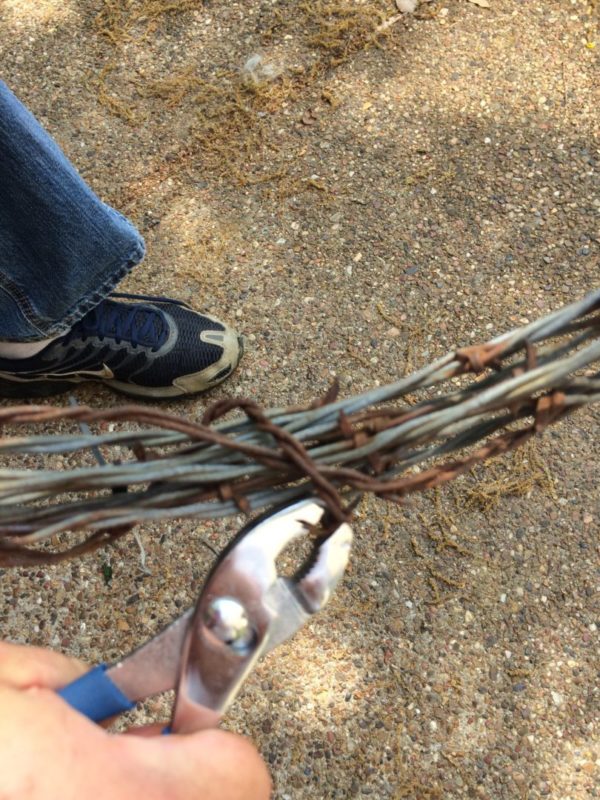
(474, 404)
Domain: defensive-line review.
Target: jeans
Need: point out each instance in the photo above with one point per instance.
(62, 250)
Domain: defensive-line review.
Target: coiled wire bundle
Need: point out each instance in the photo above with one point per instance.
(419, 432)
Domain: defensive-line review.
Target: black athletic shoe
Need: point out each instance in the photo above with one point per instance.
(143, 346)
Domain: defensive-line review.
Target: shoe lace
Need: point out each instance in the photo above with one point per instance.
(134, 323)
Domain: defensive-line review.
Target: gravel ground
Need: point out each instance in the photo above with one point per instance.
(358, 211)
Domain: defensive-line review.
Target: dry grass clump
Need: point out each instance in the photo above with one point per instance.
(112, 102)
(342, 28)
(229, 129)
(516, 476)
(117, 19)
(232, 110)
(443, 547)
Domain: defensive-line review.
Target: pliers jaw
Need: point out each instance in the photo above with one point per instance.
(246, 609)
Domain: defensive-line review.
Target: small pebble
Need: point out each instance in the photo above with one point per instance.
(557, 698)
(406, 6)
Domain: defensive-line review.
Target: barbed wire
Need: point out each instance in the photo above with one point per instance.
(478, 402)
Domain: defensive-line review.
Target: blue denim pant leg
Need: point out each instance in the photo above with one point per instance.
(62, 250)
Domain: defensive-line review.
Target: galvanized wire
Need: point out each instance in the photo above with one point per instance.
(158, 466)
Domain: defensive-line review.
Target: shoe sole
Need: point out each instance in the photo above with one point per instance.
(22, 389)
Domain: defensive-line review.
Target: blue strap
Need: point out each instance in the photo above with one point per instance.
(96, 696)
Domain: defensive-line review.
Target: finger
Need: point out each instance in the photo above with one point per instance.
(214, 765)
(23, 667)
(156, 729)
(49, 751)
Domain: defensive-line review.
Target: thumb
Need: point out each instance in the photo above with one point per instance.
(209, 765)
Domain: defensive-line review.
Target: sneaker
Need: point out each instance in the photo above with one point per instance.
(149, 347)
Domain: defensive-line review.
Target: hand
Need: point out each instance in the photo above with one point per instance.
(50, 752)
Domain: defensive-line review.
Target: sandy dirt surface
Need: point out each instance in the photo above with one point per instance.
(370, 193)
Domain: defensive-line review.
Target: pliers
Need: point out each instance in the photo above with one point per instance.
(244, 610)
